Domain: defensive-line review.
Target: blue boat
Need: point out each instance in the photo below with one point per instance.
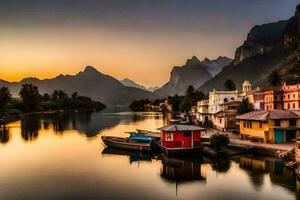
(141, 138)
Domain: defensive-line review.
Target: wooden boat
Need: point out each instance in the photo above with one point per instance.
(126, 143)
(145, 133)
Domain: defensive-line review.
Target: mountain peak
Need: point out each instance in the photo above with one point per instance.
(90, 69)
(192, 61)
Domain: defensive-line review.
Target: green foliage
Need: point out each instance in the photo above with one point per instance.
(218, 140)
(175, 101)
(229, 85)
(191, 98)
(139, 105)
(244, 107)
(5, 98)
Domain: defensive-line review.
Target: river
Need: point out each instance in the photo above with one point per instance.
(61, 156)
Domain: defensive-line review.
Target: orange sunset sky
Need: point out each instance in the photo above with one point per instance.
(141, 40)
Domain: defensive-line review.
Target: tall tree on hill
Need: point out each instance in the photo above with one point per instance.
(191, 98)
(244, 107)
(229, 85)
(5, 97)
(275, 79)
(30, 97)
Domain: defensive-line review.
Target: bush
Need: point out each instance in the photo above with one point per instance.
(218, 140)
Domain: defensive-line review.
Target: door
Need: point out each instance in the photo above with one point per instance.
(187, 139)
(278, 136)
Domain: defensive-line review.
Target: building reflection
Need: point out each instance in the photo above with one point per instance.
(178, 171)
(257, 167)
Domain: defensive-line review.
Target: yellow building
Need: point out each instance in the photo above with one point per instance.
(272, 126)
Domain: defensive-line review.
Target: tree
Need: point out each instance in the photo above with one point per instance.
(30, 97)
(245, 106)
(5, 97)
(46, 97)
(275, 79)
(74, 95)
(229, 85)
(190, 91)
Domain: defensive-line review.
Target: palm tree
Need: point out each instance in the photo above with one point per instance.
(229, 85)
(244, 107)
(275, 79)
(190, 91)
(5, 97)
(30, 97)
(74, 95)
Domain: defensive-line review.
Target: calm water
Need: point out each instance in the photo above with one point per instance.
(61, 156)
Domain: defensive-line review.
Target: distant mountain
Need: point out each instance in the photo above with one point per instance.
(130, 83)
(267, 47)
(194, 72)
(89, 82)
(152, 89)
(215, 66)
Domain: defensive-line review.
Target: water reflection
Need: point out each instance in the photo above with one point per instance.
(176, 170)
(88, 123)
(63, 164)
(4, 134)
(132, 156)
(259, 167)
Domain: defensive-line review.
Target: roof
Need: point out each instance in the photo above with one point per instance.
(181, 127)
(264, 115)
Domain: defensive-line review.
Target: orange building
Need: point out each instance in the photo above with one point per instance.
(291, 96)
(273, 100)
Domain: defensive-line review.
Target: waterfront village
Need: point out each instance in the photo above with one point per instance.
(272, 127)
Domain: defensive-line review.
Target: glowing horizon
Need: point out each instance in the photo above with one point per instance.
(126, 39)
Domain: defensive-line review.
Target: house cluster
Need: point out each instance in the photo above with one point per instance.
(275, 119)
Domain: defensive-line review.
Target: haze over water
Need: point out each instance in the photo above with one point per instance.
(61, 156)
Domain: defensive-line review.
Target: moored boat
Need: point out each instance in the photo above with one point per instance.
(126, 143)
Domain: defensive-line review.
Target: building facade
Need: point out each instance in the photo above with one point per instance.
(273, 100)
(271, 126)
(291, 96)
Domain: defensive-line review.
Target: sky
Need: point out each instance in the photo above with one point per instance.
(138, 39)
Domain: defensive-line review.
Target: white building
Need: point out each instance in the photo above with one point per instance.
(217, 98)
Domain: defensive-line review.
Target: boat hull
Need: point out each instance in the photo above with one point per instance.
(125, 143)
(195, 151)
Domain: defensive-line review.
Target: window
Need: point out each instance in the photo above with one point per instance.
(225, 100)
(277, 122)
(294, 105)
(220, 121)
(244, 124)
(292, 122)
(232, 98)
(288, 96)
(250, 124)
(169, 137)
(187, 134)
(288, 106)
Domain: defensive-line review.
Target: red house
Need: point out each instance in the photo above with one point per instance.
(180, 139)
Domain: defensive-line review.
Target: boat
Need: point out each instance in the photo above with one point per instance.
(145, 133)
(126, 143)
(195, 151)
